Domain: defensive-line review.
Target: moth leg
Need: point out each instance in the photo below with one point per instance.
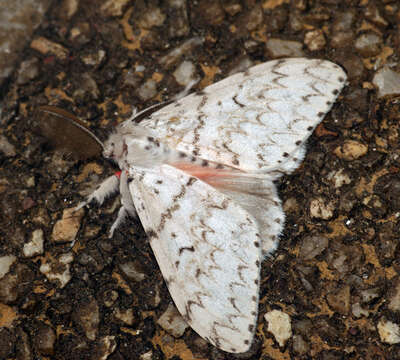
(108, 187)
(127, 207)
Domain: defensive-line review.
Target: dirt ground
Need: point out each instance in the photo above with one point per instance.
(336, 271)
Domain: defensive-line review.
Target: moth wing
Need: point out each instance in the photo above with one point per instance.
(257, 120)
(209, 252)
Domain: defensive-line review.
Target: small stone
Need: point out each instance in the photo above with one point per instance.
(279, 325)
(148, 90)
(342, 39)
(35, 246)
(6, 148)
(185, 73)
(86, 315)
(277, 48)
(172, 322)
(87, 87)
(94, 59)
(211, 12)
(300, 346)
(351, 150)
(389, 332)
(16, 283)
(65, 230)
(320, 209)
(368, 44)
(104, 348)
(339, 178)
(312, 246)
(178, 25)
(44, 339)
(110, 296)
(232, 7)
(185, 48)
(315, 40)
(58, 268)
(358, 311)
(151, 17)
(113, 8)
(339, 299)
(5, 264)
(370, 294)
(28, 70)
(47, 47)
(126, 316)
(394, 297)
(387, 82)
(132, 270)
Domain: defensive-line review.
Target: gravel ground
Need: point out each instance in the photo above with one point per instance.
(333, 286)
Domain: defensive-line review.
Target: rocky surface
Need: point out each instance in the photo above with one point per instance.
(335, 278)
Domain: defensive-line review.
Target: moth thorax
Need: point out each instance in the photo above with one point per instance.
(146, 151)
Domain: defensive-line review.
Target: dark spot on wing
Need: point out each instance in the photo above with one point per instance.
(256, 244)
(335, 92)
(204, 163)
(191, 181)
(182, 249)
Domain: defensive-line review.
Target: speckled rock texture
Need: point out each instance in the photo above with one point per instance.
(67, 291)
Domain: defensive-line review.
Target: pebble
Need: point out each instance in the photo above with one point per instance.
(174, 55)
(86, 315)
(48, 47)
(113, 8)
(147, 90)
(312, 246)
(44, 339)
(279, 325)
(351, 150)
(389, 332)
(58, 269)
(277, 48)
(132, 271)
(185, 73)
(172, 322)
(387, 82)
(315, 40)
(321, 209)
(67, 227)
(394, 297)
(368, 44)
(28, 70)
(5, 264)
(35, 245)
(339, 299)
(6, 147)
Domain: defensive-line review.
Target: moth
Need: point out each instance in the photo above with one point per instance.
(199, 173)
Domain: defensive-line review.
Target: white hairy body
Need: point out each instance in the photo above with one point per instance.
(200, 175)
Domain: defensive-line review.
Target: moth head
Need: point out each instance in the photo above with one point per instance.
(114, 147)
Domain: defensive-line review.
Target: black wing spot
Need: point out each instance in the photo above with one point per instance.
(182, 249)
(285, 154)
(309, 128)
(320, 114)
(256, 244)
(335, 92)
(298, 142)
(204, 163)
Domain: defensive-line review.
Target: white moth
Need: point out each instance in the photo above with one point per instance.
(200, 175)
